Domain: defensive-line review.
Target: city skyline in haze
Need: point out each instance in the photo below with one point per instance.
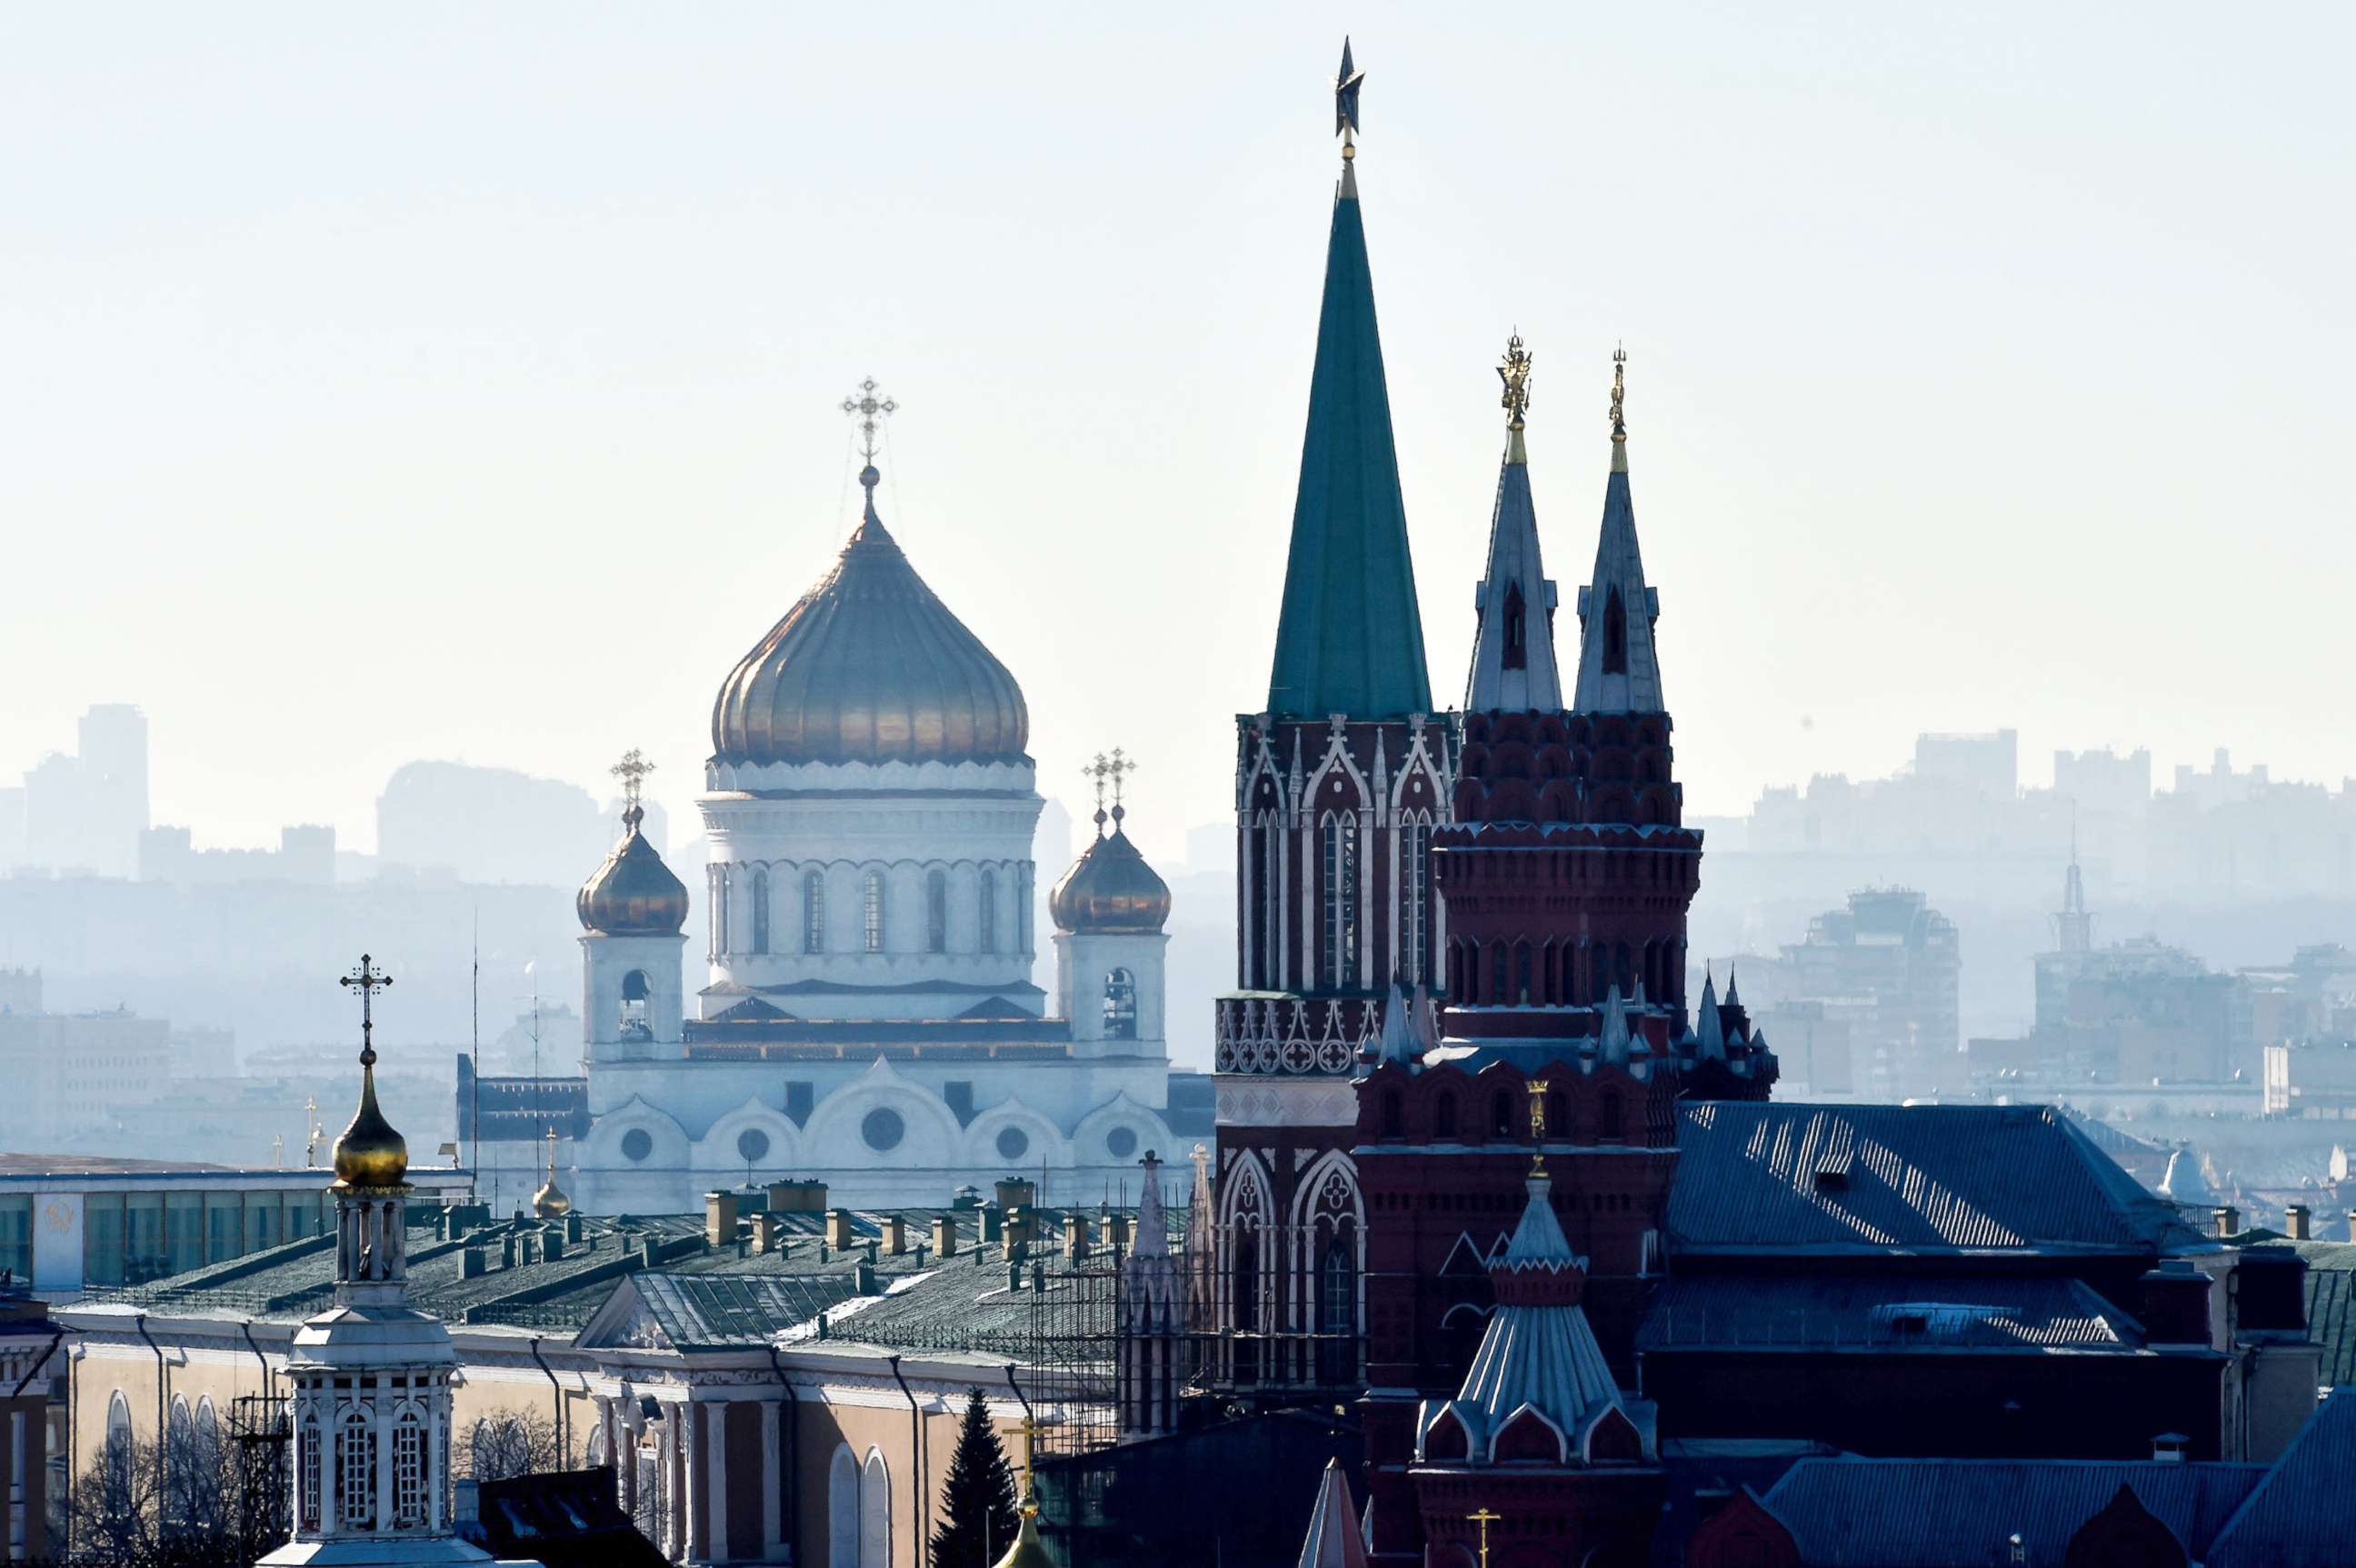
(387, 399)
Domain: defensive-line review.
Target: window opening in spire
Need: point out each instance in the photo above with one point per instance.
(813, 911)
(1517, 653)
(1263, 907)
(1615, 634)
(870, 911)
(1121, 1005)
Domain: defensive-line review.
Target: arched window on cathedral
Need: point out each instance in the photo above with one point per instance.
(870, 911)
(1443, 1116)
(1610, 1121)
(1501, 977)
(1121, 1005)
(408, 1471)
(717, 875)
(1263, 907)
(1517, 653)
(1615, 634)
(761, 911)
(1501, 1114)
(813, 911)
(937, 911)
(1523, 994)
(1337, 1311)
(988, 910)
(1340, 896)
(1415, 878)
(307, 1466)
(635, 1025)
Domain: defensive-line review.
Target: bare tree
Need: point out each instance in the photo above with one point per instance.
(178, 1504)
(509, 1443)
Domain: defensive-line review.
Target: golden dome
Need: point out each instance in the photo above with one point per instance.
(1028, 1550)
(633, 894)
(869, 666)
(369, 1153)
(551, 1202)
(1111, 887)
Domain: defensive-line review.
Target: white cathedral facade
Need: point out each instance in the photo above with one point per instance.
(867, 1016)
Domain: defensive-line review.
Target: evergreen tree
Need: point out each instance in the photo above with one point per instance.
(978, 1500)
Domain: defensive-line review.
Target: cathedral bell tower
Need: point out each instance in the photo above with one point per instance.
(633, 912)
(1110, 909)
(1340, 780)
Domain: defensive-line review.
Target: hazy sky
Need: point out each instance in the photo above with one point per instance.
(461, 382)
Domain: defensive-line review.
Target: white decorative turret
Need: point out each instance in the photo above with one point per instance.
(1110, 909)
(371, 1374)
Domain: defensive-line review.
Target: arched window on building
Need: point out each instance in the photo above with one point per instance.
(307, 1462)
(761, 911)
(1443, 1116)
(842, 1510)
(356, 1472)
(1501, 974)
(986, 926)
(874, 1512)
(937, 911)
(870, 911)
(1263, 907)
(408, 1471)
(813, 911)
(1611, 1125)
(1501, 1114)
(1121, 1005)
(1340, 896)
(635, 1025)
(716, 878)
(1517, 653)
(1524, 992)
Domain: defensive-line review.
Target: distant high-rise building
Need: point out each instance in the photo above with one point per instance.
(85, 812)
(1989, 764)
(1890, 966)
(494, 825)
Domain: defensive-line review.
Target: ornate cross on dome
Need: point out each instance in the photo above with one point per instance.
(1109, 769)
(632, 772)
(1514, 369)
(871, 412)
(368, 980)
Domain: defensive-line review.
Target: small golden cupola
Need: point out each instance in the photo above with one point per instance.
(370, 1153)
(633, 894)
(551, 1202)
(1110, 888)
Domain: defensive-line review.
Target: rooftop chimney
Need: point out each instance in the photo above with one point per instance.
(719, 1219)
(1076, 1237)
(993, 1223)
(798, 1197)
(2229, 1219)
(839, 1234)
(1017, 1192)
(2170, 1448)
(765, 1232)
(945, 1238)
(2294, 1217)
(896, 1234)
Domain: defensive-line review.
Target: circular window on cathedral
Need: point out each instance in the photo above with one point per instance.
(1013, 1143)
(751, 1145)
(883, 1130)
(1120, 1143)
(637, 1145)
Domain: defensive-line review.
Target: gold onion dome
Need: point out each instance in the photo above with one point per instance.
(1111, 887)
(870, 666)
(1028, 1550)
(370, 1152)
(633, 894)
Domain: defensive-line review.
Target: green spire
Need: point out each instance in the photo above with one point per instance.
(1351, 639)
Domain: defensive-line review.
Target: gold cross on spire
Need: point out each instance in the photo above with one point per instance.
(1537, 1124)
(1030, 1466)
(1483, 1519)
(871, 412)
(1514, 369)
(368, 980)
(1109, 769)
(552, 1155)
